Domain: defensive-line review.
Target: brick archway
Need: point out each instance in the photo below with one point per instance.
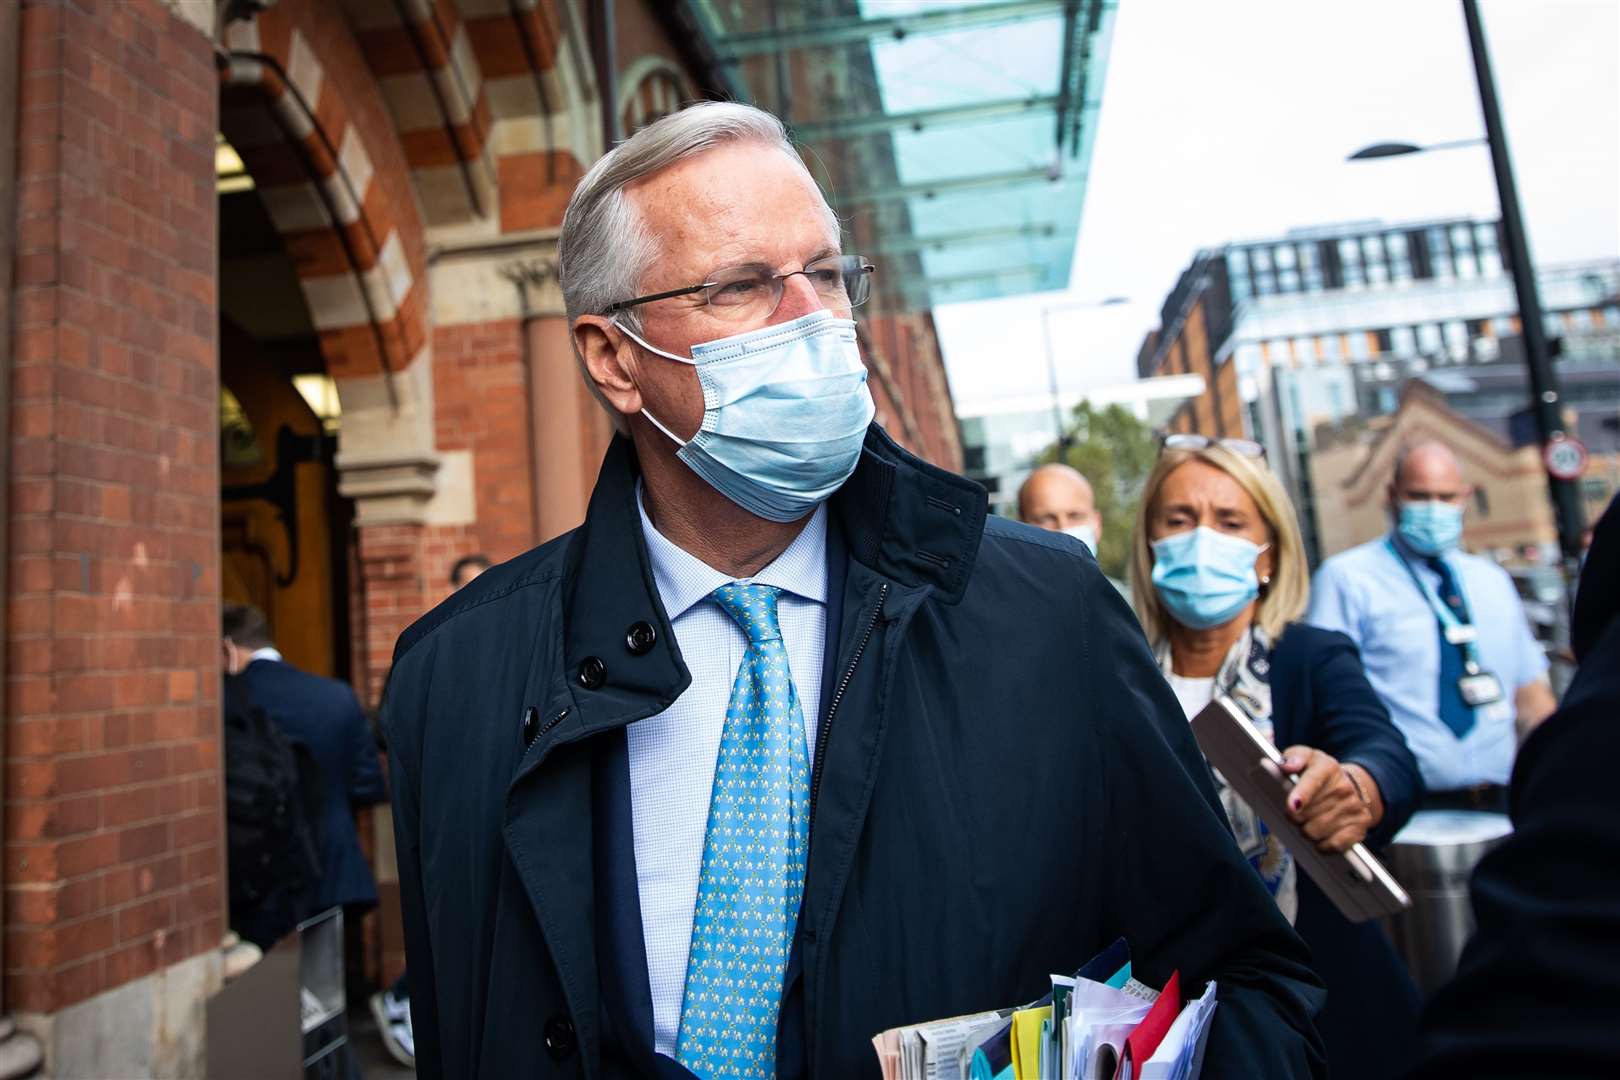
(301, 106)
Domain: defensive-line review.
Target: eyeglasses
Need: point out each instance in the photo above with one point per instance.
(1245, 447)
(742, 293)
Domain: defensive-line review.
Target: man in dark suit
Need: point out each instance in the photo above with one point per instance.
(325, 717)
(970, 774)
(1536, 989)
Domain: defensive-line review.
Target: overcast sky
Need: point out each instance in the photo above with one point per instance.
(1228, 121)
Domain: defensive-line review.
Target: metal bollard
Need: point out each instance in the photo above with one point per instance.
(1432, 858)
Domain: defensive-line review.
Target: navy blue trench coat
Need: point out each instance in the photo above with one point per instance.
(1004, 784)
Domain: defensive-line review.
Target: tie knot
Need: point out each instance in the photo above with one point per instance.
(754, 608)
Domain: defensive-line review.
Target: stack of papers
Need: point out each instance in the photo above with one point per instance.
(1099, 1024)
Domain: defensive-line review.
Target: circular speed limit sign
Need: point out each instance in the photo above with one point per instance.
(1565, 457)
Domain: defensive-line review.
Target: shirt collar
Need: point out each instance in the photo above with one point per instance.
(684, 580)
(265, 653)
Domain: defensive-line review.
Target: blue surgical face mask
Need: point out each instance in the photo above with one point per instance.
(1086, 534)
(1430, 528)
(1205, 577)
(785, 411)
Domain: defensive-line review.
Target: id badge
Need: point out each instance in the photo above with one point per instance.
(1479, 688)
(1461, 633)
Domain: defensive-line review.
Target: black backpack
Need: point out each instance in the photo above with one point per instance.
(272, 815)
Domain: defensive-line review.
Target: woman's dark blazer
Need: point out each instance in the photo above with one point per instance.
(1320, 697)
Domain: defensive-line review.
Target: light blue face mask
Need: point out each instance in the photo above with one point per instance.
(1431, 527)
(1205, 577)
(785, 410)
(1086, 534)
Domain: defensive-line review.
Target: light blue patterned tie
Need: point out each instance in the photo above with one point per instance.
(753, 858)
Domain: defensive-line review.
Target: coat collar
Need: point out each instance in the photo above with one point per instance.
(907, 521)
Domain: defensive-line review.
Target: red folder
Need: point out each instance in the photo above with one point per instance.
(1147, 1036)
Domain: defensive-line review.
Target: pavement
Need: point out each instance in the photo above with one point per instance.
(369, 1053)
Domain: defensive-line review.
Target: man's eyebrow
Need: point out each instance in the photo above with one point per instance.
(823, 253)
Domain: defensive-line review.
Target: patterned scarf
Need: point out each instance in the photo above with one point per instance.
(1245, 677)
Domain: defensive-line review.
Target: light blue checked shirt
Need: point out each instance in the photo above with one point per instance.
(672, 755)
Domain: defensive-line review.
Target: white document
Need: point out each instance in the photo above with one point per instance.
(1181, 1055)
(943, 1040)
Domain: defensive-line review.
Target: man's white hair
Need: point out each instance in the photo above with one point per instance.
(605, 247)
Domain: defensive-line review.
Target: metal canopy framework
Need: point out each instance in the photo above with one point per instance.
(953, 137)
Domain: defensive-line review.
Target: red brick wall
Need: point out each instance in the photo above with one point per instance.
(909, 387)
(112, 828)
(390, 591)
(480, 404)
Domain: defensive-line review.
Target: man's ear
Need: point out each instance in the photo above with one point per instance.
(610, 362)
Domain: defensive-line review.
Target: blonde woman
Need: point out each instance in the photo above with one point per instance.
(1219, 580)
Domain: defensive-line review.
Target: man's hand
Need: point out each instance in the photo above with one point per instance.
(1334, 804)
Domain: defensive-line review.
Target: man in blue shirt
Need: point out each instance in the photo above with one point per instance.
(1442, 634)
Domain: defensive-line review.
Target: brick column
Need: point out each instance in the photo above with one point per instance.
(114, 874)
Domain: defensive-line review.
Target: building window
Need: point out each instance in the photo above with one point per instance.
(1237, 275)
(1402, 342)
(1377, 265)
(1350, 263)
(1305, 350)
(1249, 357)
(1287, 271)
(1400, 260)
(1482, 501)
(1310, 268)
(1429, 339)
(1490, 251)
(1457, 338)
(1462, 245)
(1440, 263)
(1336, 399)
(1359, 347)
(1330, 347)
(1384, 341)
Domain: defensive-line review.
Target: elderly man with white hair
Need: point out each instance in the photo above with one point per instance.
(786, 744)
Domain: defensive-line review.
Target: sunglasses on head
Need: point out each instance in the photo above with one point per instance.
(1244, 447)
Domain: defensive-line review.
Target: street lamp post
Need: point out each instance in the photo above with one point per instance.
(1061, 429)
(1544, 389)
(1538, 359)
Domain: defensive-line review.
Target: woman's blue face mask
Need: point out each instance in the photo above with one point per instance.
(1205, 577)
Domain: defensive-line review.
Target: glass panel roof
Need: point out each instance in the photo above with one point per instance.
(952, 137)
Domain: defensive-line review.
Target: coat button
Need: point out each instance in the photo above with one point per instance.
(639, 638)
(592, 672)
(561, 1042)
(531, 724)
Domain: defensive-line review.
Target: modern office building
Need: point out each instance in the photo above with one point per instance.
(1003, 437)
(1323, 326)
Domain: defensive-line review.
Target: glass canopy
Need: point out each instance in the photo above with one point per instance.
(952, 137)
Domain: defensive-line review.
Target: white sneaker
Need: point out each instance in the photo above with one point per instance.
(393, 1018)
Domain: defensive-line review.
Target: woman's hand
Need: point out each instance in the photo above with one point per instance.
(1334, 804)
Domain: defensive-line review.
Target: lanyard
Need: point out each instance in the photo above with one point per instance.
(1442, 610)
